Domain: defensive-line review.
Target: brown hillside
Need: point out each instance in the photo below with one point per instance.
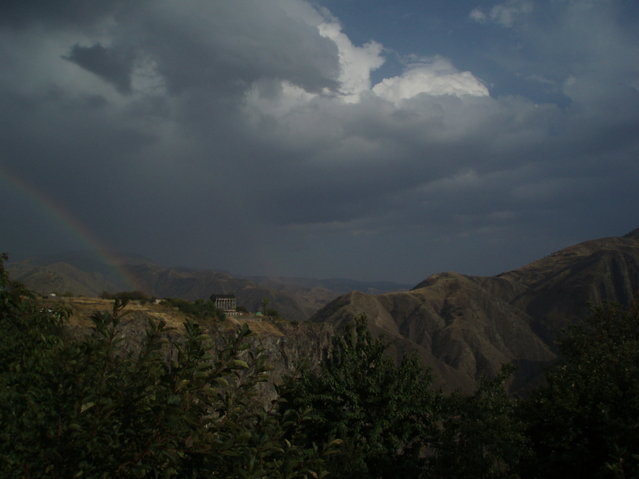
(465, 327)
(295, 299)
(284, 343)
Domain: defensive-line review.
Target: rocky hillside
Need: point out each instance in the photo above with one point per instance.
(283, 343)
(465, 327)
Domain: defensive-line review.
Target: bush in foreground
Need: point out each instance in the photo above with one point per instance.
(95, 408)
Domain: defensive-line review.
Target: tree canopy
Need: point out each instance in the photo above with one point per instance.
(384, 413)
(585, 421)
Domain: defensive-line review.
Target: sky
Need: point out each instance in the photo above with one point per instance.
(364, 139)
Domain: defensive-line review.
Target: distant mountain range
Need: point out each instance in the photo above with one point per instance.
(81, 275)
(465, 327)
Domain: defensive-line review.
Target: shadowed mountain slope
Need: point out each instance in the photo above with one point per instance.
(59, 276)
(465, 327)
(77, 274)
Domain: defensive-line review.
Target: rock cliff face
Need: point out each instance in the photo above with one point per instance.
(283, 344)
(465, 327)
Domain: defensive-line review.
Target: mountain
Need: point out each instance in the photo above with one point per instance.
(462, 326)
(465, 327)
(58, 276)
(291, 303)
(338, 285)
(79, 274)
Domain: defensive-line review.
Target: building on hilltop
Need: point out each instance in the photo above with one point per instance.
(225, 302)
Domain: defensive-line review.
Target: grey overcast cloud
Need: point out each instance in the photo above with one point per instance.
(364, 139)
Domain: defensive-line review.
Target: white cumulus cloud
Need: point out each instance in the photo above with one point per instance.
(437, 77)
(356, 63)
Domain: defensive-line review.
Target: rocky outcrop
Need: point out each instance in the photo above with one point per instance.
(282, 344)
(465, 327)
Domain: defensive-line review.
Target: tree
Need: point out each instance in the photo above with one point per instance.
(265, 303)
(384, 413)
(585, 422)
(481, 436)
(198, 309)
(127, 295)
(269, 312)
(102, 406)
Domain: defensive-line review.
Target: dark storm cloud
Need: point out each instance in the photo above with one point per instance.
(112, 65)
(240, 135)
(375, 159)
(57, 13)
(202, 45)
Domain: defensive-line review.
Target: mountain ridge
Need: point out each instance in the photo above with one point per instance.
(465, 327)
(294, 298)
(462, 326)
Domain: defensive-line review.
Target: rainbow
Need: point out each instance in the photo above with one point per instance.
(60, 216)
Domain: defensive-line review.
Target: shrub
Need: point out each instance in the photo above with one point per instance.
(170, 407)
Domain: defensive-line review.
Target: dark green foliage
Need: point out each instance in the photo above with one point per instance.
(383, 413)
(585, 423)
(481, 436)
(168, 407)
(272, 313)
(268, 311)
(126, 295)
(199, 308)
